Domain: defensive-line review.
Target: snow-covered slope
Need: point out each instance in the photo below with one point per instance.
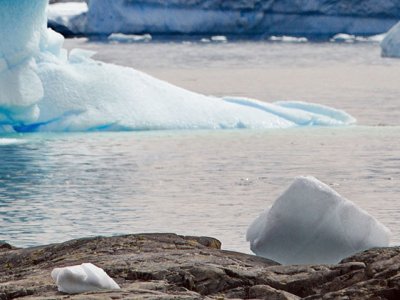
(310, 223)
(270, 17)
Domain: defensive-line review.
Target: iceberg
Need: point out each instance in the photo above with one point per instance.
(391, 43)
(231, 17)
(312, 224)
(68, 18)
(82, 278)
(45, 88)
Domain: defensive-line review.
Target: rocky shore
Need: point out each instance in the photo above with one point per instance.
(168, 266)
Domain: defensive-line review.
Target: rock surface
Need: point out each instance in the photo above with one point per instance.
(168, 266)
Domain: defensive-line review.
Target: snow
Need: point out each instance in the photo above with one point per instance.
(45, 88)
(82, 278)
(391, 43)
(312, 224)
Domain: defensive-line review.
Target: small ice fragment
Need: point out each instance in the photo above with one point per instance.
(82, 278)
(129, 38)
(219, 39)
(288, 39)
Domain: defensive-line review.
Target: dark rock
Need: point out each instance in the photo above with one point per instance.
(168, 266)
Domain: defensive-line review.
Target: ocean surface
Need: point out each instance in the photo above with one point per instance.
(55, 187)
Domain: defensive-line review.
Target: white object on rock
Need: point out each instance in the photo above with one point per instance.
(391, 43)
(82, 278)
(312, 224)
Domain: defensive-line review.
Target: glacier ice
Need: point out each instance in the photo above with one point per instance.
(45, 88)
(70, 15)
(284, 17)
(391, 43)
(312, 224)
(82, 278)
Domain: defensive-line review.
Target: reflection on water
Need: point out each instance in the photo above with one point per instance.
(53, 188)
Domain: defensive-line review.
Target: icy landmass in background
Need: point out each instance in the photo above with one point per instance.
(44, 88)
(311, 224)
(82, 278)
(70, 15)
(391, 43)
(284, 17)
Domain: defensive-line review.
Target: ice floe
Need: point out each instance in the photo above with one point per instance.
(45, 88)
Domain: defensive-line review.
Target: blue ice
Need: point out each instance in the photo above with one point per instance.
(45, 88)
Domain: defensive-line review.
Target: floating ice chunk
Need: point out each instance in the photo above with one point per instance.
(311, 224)
(129, 38)
(7, 141)
(391, 43)
(349, 38)
(288, 39)
(343, 38)
(219, 39)
(205, 40)
(82, 278)
(42, 88)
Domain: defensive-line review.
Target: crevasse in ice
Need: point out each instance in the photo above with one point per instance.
(44, 88)
(312, 224)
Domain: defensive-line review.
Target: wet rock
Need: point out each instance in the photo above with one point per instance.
(168, 266)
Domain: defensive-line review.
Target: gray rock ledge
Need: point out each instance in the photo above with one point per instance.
(169, 266)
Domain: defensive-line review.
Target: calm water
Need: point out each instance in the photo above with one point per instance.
(57, 187)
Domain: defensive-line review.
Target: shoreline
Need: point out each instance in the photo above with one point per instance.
(169, 266)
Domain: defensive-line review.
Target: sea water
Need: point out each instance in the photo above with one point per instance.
(54, 187)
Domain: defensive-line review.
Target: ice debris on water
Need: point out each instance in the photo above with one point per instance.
(129, 38)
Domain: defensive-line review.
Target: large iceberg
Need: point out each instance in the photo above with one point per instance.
(262, 17)
(312, 224)
(44, 88)
(391, 43)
